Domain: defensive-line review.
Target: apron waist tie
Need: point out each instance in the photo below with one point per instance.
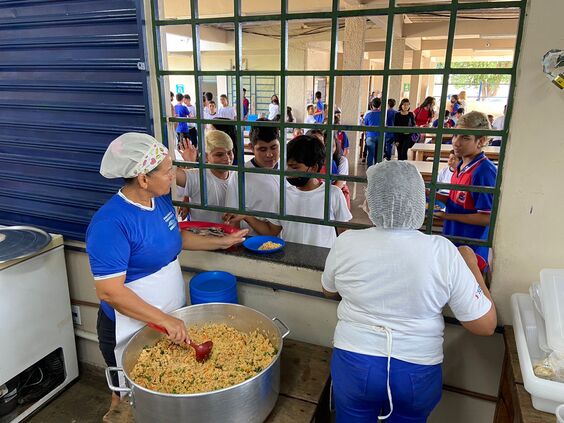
(389, 339)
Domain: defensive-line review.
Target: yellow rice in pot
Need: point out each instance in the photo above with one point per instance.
(236, 356)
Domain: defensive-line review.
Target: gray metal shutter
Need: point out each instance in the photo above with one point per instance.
(69, 84)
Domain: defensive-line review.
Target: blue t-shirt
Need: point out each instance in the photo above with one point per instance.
(372, 118)
(390, 116)
(124, 238)
(343, 139)
(181, 111)
(479, 172)
(319, 106)
(334, 168)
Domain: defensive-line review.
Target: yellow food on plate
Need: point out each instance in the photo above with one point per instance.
(236, 356)
(269, 245)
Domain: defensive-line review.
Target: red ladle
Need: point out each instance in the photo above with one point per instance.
(203, 350)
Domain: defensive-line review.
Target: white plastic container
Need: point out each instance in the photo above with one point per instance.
(552, 293)
(535, 293)
(546, 395)
(560, 414)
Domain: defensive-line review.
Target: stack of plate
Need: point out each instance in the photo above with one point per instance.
(18, 242)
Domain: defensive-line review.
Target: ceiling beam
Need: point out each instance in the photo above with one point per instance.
(470, 43)
(467, 43)
(208, 33)
(440, 29)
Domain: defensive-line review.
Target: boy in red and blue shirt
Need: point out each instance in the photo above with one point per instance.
(342, 136)
(467, 214)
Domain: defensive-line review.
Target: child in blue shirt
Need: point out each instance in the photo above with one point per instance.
(181, 111)
(342, 136)
(319, 108)
(467, 214)
(389, 137)
(372, 118)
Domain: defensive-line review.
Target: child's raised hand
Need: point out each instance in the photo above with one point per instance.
(188, 151)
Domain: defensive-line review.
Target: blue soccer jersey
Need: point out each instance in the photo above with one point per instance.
(319, 108)
(343, 139)
(124, 238)
(479, 172)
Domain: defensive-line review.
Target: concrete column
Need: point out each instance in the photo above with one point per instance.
(398, 56)
(351, 99)
(339, 81)
(365, 88)
(424, 90)
(296, 85)
(377, 82)
(414, 83)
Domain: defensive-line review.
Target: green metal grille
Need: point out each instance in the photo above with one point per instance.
(284, 17)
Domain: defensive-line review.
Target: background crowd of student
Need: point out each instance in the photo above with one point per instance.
(466, 214)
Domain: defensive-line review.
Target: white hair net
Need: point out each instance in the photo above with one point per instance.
(395, 195)
(132, 154)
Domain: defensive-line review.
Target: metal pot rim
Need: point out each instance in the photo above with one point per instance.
(201, 394)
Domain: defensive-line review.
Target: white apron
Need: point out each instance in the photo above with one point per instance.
(163, 289)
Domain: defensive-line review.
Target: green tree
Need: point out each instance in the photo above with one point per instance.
(489, 82)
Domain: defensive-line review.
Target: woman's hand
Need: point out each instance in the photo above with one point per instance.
(188, 151)
(235, 238)
(176, 329)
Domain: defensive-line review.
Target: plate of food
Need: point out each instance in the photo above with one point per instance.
(264, 244)
(207, 228)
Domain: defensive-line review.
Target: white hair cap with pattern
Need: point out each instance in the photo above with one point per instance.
(395, 195)
(132, 154)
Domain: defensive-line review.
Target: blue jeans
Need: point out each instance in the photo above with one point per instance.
(388, 147)
(371, 145)
(360, 395)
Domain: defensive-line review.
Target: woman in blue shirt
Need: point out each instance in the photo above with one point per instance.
(133, 243)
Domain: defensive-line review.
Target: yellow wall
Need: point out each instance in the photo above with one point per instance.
(530, 234)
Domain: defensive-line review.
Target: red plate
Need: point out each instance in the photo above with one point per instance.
(228, 229)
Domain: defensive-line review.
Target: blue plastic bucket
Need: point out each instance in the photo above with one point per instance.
(213, 287)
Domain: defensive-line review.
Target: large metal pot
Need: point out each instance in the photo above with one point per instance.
(249, 401)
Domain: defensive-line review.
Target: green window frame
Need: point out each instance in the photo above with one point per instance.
(283, 73)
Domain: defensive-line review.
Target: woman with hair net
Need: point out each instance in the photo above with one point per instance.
(133, 243)
(394, 282)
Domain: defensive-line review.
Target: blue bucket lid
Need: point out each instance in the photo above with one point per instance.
(216, 282)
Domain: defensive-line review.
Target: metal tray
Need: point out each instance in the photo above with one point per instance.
(18, 242)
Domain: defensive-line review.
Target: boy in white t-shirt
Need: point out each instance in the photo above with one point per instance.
(225, 110)
(211, 112)
(445, 175)
(305, 197)
(219, 150)
(310, 118)
(261, 191)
